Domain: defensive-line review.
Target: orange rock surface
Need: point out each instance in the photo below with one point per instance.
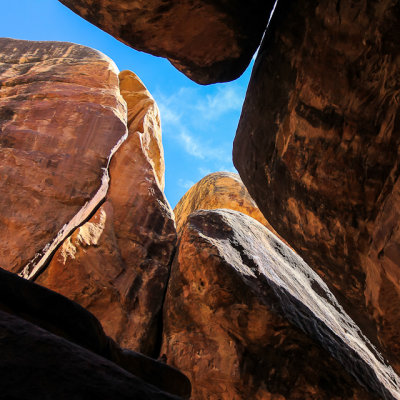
(117, 264)
(61, 115)
(236, 300)
(217, 190)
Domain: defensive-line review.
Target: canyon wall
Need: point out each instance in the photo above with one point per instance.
(230, 304)
(318, 149)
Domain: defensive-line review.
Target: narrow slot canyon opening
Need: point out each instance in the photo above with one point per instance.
(158, 140)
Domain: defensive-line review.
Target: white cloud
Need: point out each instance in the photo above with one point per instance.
(224, 168)
(191, 146)
(204, 171)
(186, 184)
(168, 115)
(226, 99)
(193, 120)
(204, 150)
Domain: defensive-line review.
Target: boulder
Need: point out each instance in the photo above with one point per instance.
(217, 190)
(117, 264)
(209, 41)
(246, 318)
(61, 118)
(318, 149)
(36, 364)
(22, 299)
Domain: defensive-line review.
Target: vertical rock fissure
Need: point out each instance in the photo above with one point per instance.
(160, 319)
(41, 260)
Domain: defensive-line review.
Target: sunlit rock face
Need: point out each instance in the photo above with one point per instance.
(217, 190)
(61, 115)
(318, 149)
(117, 264)
(236, 300)
(209, 41)
(53, 313)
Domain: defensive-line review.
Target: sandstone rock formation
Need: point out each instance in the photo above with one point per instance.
(64, 318)
(234, 286)
(318, 149)
(61, 116)
(209, 41)
(33, 366)
(217, 190)
(83, 176)
(117, 264)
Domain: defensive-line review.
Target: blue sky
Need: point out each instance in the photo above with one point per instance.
(198, 122)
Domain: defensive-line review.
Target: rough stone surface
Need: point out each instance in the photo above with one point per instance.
(61, 115)
(117, 264)
(235, 297)
(36, 364)
(65, 318)
(318, 149)
(217, 190)
(209, 41)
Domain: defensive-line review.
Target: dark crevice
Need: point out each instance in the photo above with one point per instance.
(160, 317)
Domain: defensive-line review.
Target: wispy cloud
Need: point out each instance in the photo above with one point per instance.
(226, 99)
(204, 150)
(184, 183)
(186, 112)
(168, 115)
(227, 168)
(191, 146)
(204, 171)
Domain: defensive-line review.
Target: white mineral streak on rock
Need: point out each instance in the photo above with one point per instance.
(88, 235)
(68, 249)
(33, 268)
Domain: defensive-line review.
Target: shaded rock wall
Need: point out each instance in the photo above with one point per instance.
(234, 288)
(62, 317)
(33, 366)
(318, 149)
(209, 41)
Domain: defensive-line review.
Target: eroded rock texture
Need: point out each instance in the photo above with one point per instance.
(62, 317)
(61, 116)
(318, 149)
(217, 190)
(236, 298)
(209, 41)
(117, 264)
(36, 364)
